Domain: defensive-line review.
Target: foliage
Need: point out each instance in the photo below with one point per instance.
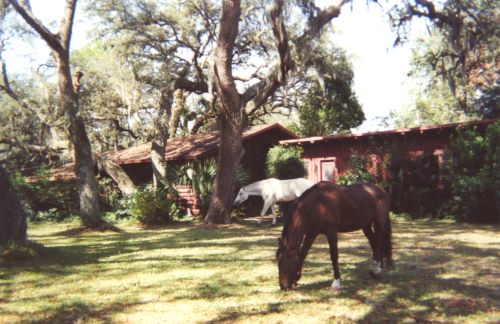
(110, 96)
(203, 181)
(330, 104)
(433, 106)
(200, 175)
(413, 183)
(242, 178)
(28, 135)
(44, 199)
(153, 207)
(285, 163)
(474, 176)
(461, 49)
(357, 172)
(110, 194)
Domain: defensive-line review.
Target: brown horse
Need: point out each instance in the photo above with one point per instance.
(329, 209)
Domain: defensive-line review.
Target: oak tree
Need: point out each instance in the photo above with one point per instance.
(59, 44)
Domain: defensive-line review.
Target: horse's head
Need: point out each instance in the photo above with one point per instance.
(288, 266)
(240, 197)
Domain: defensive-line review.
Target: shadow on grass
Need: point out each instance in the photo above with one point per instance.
(423, 284)
(79, 312)
(233, 314)
(412, 291)
(85, 230)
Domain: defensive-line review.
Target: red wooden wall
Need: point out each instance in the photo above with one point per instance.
(329, 157)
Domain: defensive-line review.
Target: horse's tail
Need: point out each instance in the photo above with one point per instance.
(387, 244)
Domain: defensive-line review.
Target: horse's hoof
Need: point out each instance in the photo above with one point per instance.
(273, 225)
(336, 285)
(375, 275)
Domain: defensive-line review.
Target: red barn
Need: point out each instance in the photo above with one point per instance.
(328, 157)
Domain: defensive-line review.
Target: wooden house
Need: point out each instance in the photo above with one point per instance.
(136, 161)
(328, 157)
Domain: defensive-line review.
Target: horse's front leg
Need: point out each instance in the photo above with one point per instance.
(267, 204)
(306, 246)
(334, 255)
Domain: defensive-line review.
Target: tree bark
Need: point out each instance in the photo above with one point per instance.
(234, 105)
(13, 226)
(115, 171)
(159, 144)
(177, 108)
(231, 116)
(68, 100)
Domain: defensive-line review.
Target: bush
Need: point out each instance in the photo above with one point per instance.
(357, 172)
(285, 163)
(413, 183)
(109, 193)
(153, 207)
(474, 176)
(45, 199)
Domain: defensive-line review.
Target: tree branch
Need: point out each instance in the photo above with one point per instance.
(8, 90)
(66, 25)
(52, 39)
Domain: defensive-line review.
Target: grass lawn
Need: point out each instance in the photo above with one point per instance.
(445, 272)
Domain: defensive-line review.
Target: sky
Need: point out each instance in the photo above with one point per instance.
(381, 79)
(380, 69)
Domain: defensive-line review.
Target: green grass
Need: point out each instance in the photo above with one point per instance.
(445, 272)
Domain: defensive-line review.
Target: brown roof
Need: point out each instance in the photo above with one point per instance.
(401, 131)
(65, 172)
(179, 148)
(189, 147)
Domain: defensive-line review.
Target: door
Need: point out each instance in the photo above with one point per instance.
(329, 170)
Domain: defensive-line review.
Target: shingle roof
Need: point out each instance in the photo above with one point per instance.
(189, 147)
(179, 148)
(401, 131)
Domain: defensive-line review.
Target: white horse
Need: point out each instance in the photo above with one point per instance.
(273, 191)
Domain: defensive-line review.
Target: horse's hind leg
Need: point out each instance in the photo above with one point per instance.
(371, 238)
(273, 209)
(377, 249)
(387, 245)
(334, 255)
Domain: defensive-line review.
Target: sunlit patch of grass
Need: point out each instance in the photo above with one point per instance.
(186, 273)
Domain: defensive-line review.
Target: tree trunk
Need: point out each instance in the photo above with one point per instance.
(68, 99)
(158, 161)
(115, 171)
(177, 108)
(12, 217)
(231, 116)
(228, 160)
(88, 191)
(159, 144)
